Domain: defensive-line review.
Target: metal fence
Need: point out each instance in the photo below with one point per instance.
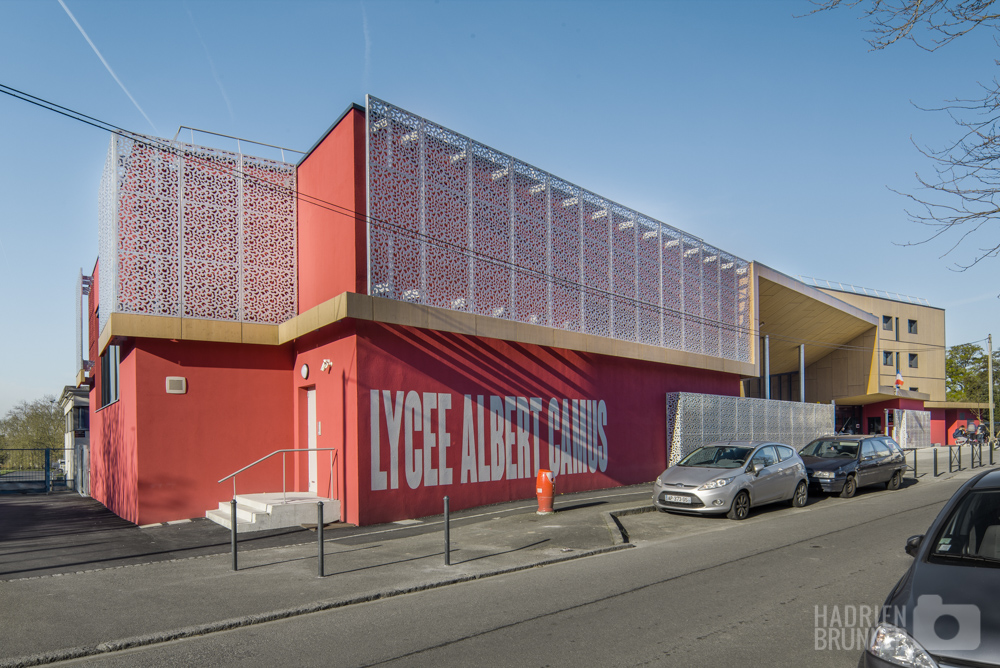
(912, 429)
(694, 420)
(31, 469)
(458, 225)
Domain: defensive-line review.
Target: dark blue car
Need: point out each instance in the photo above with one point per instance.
(842, 464)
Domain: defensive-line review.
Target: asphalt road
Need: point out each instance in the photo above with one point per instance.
(695, 592)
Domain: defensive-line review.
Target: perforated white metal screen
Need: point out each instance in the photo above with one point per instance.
(196, 232)
(694, 420)
(457, 225)
(912, 429)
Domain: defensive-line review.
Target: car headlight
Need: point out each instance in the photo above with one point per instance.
(895, 645)
(718, 482)
(659, 482)
(823, 474)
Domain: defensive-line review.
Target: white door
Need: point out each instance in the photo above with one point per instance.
(311, 441)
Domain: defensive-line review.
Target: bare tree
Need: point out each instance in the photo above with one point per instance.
(963, 196)
(930, 24)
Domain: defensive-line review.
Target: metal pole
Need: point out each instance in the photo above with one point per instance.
(767, 366)
(802, 376)
(319, 535)
(935, 463)
(915, 464)
(989, 367)
(885, 422)
(960, 458)
(447, 534)
(48, 470)
(232, 523)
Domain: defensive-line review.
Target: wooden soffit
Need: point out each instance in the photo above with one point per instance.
(792, 313)
(352, 306)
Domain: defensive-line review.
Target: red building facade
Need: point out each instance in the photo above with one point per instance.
(413, 313)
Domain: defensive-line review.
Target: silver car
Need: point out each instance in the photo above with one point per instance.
(731, 478)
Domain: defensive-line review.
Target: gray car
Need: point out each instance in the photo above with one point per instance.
(944, 612)
(731, 478)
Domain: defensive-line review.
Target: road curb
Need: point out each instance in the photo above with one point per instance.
(619, 534)
(146, 640)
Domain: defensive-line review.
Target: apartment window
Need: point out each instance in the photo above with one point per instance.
(914, 389)
(109, 375)
(913, 360)
(887, 323)
(911, 326)
(78, 419)
(887, 358)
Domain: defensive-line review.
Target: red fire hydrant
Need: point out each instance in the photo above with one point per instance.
(545, 488)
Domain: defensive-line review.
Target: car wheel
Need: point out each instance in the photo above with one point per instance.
(850, 487)
(801, 496)
(895, 480)
(740, 508)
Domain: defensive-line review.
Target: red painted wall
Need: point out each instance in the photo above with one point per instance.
(238, 408)
(336, 412)
(113, 444)
(332, 246)
(436, 367)
(878, 411)
(954, 418)
(113, 449)
(939, 432)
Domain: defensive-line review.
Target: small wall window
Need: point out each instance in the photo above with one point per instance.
(913, 360)
(81, 418)
(887, 358)
(911, 326)
(887, 322)
(109, 375)
(914, 389)
(78, 419)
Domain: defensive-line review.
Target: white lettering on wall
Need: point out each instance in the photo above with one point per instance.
(414, 458)
(577, 438)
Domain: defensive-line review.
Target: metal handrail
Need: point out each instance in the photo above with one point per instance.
(283, 475)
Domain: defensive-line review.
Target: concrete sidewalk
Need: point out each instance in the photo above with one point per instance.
(959, 455)
(76, 613)
(126, 600)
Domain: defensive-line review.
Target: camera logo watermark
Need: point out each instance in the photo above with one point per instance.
(939, 626)
(848, 627)
(936, 625)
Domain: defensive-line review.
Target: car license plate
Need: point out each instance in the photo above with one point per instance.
(678, 499)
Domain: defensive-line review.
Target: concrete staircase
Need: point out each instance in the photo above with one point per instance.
(259, 512)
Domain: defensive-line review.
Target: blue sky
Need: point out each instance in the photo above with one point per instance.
(770, 136)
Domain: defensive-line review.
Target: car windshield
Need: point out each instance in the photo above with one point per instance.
(718, 457)
(972, 532)
(831, 449)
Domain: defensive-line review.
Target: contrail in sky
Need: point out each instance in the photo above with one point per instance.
(108, 67)
(211, 63)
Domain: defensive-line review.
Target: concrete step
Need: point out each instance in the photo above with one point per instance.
(223, 518)
(275, 510)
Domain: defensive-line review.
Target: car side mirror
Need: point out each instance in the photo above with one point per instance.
(755, 468)
(913, 544)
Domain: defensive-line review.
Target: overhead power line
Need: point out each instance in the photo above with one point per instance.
(640, 305)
